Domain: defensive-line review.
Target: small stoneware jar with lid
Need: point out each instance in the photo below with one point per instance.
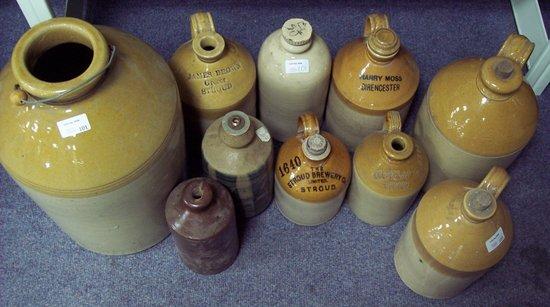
(371, 75)
(237, 150)
(478, 113)
(91, 129)
(293, 77)
(457, 233)
(202, 220)
(311, 174)
(389, 169)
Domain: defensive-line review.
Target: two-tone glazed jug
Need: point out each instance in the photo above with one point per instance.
(478, 113)
(371, 75)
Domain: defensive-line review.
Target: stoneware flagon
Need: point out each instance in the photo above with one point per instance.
(478, 113)
(293, 77)
(458, 232)
(311, 174)
(371, 75)
(201, 216)
(238, 152)
(91, 129)
(389, 169)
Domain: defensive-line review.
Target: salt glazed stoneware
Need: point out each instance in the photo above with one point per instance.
(293, 77)
(237, 151)
(389, 169)
(458, 232)
(371, 75)
(202, 220)
(478, 113)
(91, 129)
(311, 174)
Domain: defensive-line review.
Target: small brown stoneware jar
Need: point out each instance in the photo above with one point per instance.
(91, 129)
(371, 75)
(389, 168)
(237, 151)
(458, 232)
(202, 220)
(293, 77)
(215, 75)
(478, 113)
(311, 174)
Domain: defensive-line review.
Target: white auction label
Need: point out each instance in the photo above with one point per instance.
(263, 134)
(297, 66)
(73, 125)
(495, 240)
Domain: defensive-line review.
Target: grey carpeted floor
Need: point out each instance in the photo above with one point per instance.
(343, 262)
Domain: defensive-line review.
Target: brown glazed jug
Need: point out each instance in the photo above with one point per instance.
(215, 75)
(371, 75)
(202, 220)
(311, 174)
(458, 232)
(237, 150)
(91, 129)
(389, 169)
(478, 113)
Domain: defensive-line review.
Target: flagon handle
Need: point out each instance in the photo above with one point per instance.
(517, 48)
(495, 181)
(307, 125)
(201, 22)
(374, 22)
(392, 122)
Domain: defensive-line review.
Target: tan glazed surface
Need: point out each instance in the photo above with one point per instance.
(370, 76)
(459, 231)
(215, 75)
(389, 168)
(310, 191)
(478, 113)
(104, 198)
(293, 77)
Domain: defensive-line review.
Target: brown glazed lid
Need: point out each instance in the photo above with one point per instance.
(390, 162)
(375, 73)
(314, 165)
(483, 106)
(214, 73)
(463, 225)
(199, 208)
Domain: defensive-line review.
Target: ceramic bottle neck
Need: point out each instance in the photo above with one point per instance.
(58, 61)
(381, 41)
(296, 35)
(480, 204)
(396, 145)
(207, 44)
(236, 129)
(197, 195)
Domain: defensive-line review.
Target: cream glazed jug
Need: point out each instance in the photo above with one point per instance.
(371, 75)
(293, 77)
(478, 113)
(91, 129)
(457, 233)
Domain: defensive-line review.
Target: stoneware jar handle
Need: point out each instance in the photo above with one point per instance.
(517, 48)
(495, 181)
(307, 125)
(201, 22)
(374, 22)
(392, 122)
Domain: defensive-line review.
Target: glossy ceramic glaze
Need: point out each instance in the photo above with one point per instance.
(107, 200)
(458, 231)
(478, 113)
(238, 152)
(293, 77)
(370, 76)
(202, 220)
(389, 169)
(311, 174)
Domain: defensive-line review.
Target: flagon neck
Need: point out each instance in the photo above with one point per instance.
(43, 59)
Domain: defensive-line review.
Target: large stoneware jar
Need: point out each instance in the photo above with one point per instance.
(91, 129)
(458, 232)
(478, 113)
(371, 75)
(293, 77)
